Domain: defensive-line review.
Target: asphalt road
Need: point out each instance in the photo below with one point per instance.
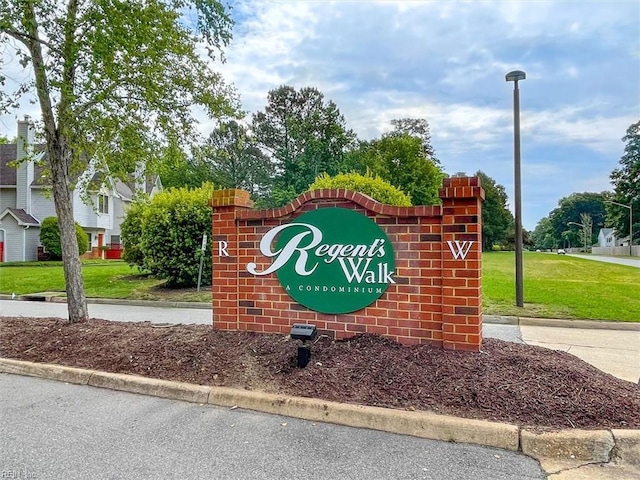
(53, 430)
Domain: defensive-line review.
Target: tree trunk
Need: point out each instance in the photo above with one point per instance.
(62, 195)
(59, 159)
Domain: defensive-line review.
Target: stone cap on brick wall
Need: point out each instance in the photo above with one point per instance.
(231, 197)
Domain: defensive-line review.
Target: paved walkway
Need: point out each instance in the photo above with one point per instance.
(616, 352)
(612, 347)
(628, 261)
(121, 313)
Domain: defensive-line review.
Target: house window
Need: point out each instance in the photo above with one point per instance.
(103, 204)
(90, 240)
(115, 239)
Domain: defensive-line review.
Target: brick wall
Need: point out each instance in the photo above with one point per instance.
(437, 298)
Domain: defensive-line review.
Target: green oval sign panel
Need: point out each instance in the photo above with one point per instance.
(331, 260)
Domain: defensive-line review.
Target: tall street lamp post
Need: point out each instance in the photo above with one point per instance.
(514, 77)
(630, 207)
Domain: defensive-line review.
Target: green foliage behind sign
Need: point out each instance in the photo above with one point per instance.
(370, 185)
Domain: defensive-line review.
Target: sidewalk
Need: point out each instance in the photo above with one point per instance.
(154, 312)
(613, 347)
(628, 261)
(616, 352)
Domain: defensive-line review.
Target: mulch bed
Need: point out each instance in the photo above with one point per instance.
(507, 382)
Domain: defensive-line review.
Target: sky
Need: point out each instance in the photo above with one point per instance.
(446, 62)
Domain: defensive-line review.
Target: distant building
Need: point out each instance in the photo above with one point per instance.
(25, 201)
(606, 237)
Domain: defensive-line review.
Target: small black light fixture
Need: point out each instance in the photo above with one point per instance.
(304, 332)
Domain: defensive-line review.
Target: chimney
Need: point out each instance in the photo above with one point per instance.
(26, 137)
(25, 170)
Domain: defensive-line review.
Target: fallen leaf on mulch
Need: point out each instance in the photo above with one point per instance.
(507, 382)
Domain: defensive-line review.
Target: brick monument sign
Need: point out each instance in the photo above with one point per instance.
(347, 264)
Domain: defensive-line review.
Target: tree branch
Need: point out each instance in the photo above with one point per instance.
(27, 39)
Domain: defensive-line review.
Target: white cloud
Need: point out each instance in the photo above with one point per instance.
(445, 61)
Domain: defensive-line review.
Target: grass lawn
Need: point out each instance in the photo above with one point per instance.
(102, 278)
(555, 286)
(559, 286)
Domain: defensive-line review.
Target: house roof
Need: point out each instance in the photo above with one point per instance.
(8, 153)
(123, 189)
(606, 231)
(22, 217)
(150, 182)
(38, 178)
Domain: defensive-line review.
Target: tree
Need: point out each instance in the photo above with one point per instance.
(416, 127)
(496, 217)
(407, 168)
(400, 160)
(543, 235)
(178, 169)
(113, 80)
(626, 183)
(569, 210)
(235, 160)
(304, 135)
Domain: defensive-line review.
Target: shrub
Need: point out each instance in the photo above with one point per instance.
(373, 186)
(131, 234)
(50, 238)
(172, 226)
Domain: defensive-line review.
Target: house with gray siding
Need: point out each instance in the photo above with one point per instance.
(25, 200)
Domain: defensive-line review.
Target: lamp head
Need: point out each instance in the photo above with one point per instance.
(515, 76)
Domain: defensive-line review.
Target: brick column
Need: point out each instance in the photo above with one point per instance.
(224, 241)
(462, 263)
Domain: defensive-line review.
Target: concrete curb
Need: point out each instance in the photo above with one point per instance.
(149, 303)
(554, 448)
(418, 424)
(580, 445)
(561, 323)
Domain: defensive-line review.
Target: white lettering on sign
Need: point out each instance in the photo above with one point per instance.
(285, 253)
(345, 254)
(222, 248)
(461, 249)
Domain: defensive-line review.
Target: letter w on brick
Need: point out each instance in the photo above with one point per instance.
(459, 249)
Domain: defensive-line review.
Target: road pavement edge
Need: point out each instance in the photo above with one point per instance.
(555, 450)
